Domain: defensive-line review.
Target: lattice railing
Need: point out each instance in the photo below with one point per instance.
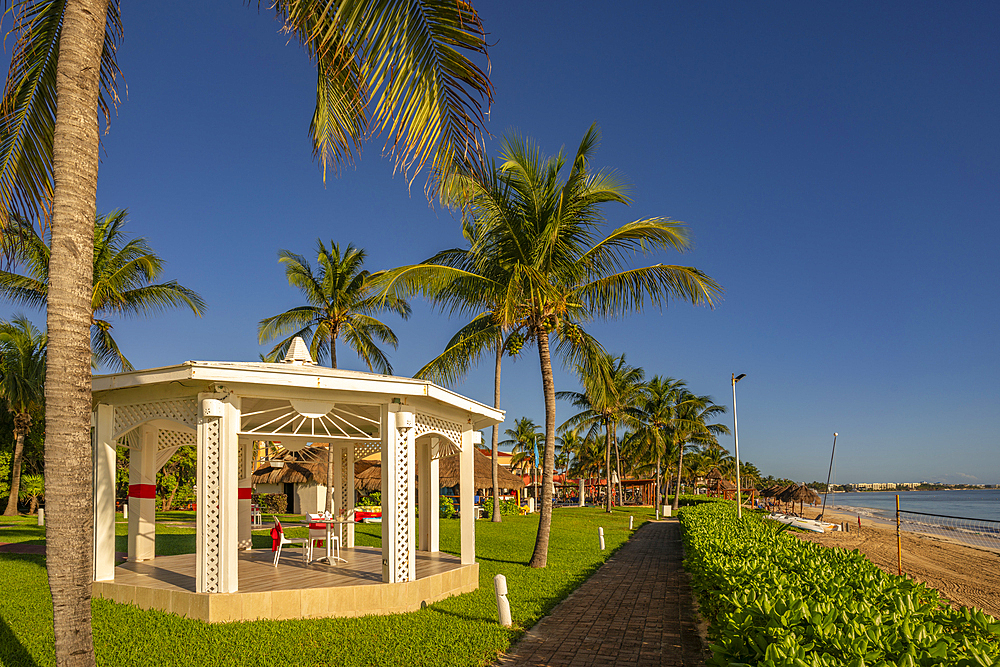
(451, 431)
(166, 439)
(210, 506)
(182, 410)
(401, 499)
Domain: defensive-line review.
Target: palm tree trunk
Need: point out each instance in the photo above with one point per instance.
(677, 491)
(329, 447)
(15, 469)
(618, 469)
(496, 438)
(607, 462)
(68, 467)
(540, 555)
(656, 502)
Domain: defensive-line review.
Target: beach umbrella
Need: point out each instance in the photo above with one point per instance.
(803, 494)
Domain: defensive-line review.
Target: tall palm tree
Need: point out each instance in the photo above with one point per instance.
(693, 429)
(543, 230)
(415, 85)
(22, 382)
(612, 393)
(523, 439)
(341, 303)
(652, 438)
(460, 281)
(124, 271)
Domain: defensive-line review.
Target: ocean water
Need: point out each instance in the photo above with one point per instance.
(981, 504)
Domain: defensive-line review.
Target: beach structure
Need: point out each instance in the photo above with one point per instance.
(222, 408)
(301, 476)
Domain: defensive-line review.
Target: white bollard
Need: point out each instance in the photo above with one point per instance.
(125, 510)
(41, 516)
(503, 604)
(630, 523)
(657, 513)
(600, 537)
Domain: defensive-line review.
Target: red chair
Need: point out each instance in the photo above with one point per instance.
(279, 540)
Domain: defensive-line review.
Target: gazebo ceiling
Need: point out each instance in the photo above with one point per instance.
(274, 419)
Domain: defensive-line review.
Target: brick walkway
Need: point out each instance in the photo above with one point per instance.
(636, 610)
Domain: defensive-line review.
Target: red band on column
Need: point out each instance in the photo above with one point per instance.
(142, 490)
(245, 493)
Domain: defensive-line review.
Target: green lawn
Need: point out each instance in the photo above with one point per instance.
(458, 631)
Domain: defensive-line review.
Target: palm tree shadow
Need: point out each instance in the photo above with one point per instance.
(500, 560)
(12, 652)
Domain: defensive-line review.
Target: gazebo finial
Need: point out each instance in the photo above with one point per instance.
(298, 353)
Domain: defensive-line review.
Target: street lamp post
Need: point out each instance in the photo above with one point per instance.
(822, 512)
(736, 434)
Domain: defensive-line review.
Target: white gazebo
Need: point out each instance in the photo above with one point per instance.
(222, 408)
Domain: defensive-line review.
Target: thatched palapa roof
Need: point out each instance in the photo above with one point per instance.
(371, 479)
(301, 467)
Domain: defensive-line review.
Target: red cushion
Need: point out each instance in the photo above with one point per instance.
(275, 538)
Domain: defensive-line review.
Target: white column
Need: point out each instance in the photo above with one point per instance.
(424, 504)
(583, 497)
(398, 511)
(142, 496)
(245, 491)
(349, 481)
(104, 493)
(217, 535)
(434, 482)
(466, 491)
(338, 477)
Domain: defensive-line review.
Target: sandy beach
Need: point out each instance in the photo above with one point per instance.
(964, 575)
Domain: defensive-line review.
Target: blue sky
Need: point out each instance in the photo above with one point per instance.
(837, 163)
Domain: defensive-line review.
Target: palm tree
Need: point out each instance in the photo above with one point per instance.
(523, 439)
(124, 271)
(416, 85)
(613, 390)
(652, 438)
(342, 303)
(22, 382)
(693, 429)
(544, 231)
(461, 281)
(31, 488)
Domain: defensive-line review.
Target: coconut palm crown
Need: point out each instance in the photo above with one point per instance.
(539, 245)
(124, 273)
(341, 304)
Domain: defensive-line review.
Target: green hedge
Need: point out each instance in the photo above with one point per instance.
(771, 599)
(508, 507)
(272, 503)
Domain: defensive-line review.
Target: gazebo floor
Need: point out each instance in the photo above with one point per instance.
(294, 589)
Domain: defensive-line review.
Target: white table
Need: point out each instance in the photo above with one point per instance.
(330, 522)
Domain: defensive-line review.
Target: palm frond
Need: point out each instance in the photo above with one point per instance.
(462, 352)
(404, 62)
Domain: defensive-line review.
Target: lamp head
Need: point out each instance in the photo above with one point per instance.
(835, 434)
(737, 378)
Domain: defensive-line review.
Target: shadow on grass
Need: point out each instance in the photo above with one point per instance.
(464, 617)
(12, 652)
(17, 533)
(500, 560)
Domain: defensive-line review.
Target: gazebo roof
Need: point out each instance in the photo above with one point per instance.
(336, 403)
